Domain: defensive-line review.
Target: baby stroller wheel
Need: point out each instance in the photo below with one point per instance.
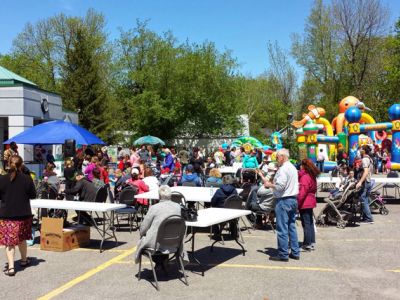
(384, 211)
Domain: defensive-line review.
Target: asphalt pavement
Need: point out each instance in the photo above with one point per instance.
(359, 262)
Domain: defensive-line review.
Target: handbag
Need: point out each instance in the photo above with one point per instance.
(189, 213)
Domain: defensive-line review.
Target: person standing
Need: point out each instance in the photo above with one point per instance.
(183, 156)
(16, 190)
(286, 189)
(228, 157)
(320, 160)
(8, 153)
(307, 201)
(365, 185)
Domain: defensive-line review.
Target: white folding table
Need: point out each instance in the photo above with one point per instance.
(379, 181)
(191, 193)
(105, 232)
(213, 216)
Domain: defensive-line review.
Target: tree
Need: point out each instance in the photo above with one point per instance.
(173, 90)
(70, 56)
(282, 73)
(341, 51)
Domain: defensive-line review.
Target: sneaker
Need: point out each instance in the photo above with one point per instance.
(294, 257)
(367, 222)
(277, 258)
(306, 248)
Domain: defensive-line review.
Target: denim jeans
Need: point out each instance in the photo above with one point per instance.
(307, 221)
(285, 212)
(366, 190)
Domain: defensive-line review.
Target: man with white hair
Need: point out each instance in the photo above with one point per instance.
(286, 188)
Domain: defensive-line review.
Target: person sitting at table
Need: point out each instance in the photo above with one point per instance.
(97, 181)
(151, 222)
(226, 189)
(139, 183)
(262, 198)
(214, 176)
(86, 191)
(149, 179)
(189, 176)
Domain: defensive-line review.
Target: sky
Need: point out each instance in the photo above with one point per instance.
(243, 27)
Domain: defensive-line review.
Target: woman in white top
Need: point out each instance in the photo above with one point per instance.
(150, 179)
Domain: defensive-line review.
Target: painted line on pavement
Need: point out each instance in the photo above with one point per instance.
(88, 250)
(87, 275)
(394, 271)
(128, 262)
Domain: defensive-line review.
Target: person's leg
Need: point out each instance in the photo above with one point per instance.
(312, 228)
(302, 217)
(294, 243)
(23, 249)
(282, 228)
(367, 216)
(305, 214)
(10, 252)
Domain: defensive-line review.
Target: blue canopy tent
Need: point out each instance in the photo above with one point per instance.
(55, 132)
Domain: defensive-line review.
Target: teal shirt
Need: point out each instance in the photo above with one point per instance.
(250, 162)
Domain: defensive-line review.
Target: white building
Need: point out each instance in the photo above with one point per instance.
(23, 104)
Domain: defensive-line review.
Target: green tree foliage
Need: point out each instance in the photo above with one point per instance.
(69, 56)
(175, 89)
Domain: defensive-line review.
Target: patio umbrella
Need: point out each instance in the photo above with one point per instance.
(55, 132)
(149, 140)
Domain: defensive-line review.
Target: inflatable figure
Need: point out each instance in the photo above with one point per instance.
(247, 139)
(345, 103)
(314, 113)
(276, 140)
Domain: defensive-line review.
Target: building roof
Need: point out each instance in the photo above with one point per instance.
(8, 78)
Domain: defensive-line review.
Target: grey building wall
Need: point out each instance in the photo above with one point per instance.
(21, 106)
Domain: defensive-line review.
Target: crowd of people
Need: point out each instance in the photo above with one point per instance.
(275, 186)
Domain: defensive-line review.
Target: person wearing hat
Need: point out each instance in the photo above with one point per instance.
(189, 176)
(139, 183)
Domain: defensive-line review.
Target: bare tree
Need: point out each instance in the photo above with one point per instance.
(282, 72)
(359, 25)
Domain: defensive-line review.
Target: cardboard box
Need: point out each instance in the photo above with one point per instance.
(53, 237)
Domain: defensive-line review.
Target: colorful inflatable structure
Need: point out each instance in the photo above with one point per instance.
(349, 129)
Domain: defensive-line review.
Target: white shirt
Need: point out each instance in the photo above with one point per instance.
(286, 181)
(152, 182)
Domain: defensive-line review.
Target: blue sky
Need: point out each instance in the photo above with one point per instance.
(244, 27)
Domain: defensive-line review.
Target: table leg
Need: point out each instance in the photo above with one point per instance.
(236, 240)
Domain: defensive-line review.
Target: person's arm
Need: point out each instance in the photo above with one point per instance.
(301, 197)
(363, 177)
(280, 182)
(75, 190)
(147, 221)
(31, 189)
(144, 186)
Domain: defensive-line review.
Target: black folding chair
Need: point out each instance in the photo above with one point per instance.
(127, 197)
(170, 236)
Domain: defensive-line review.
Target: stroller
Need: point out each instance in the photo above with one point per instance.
(376, 203)
(341, 207)
(47, 190)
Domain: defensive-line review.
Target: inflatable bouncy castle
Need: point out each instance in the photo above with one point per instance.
(351, 128)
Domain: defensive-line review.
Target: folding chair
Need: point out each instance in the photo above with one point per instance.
(127, 197)
(170, 235)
